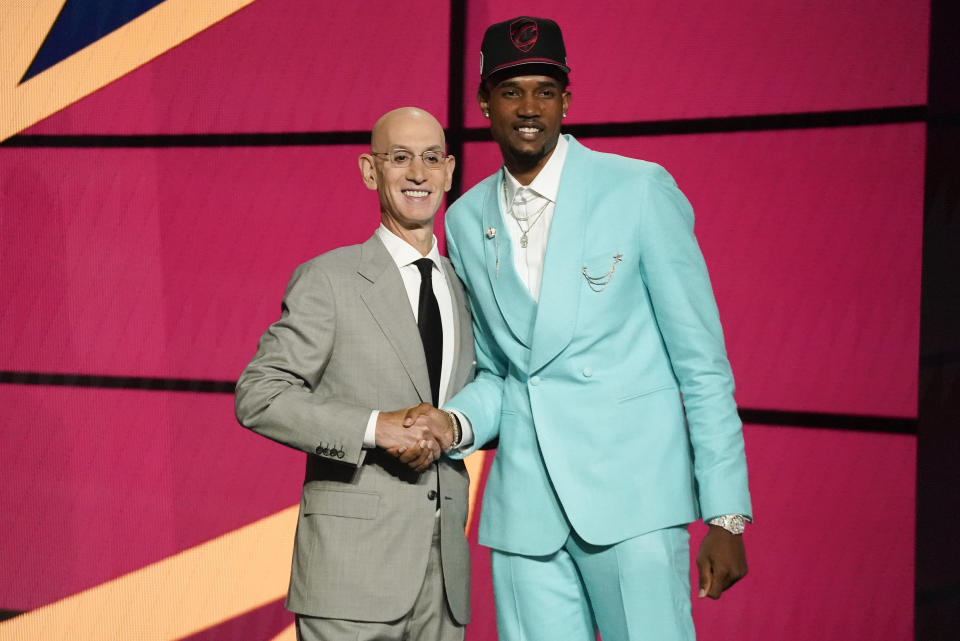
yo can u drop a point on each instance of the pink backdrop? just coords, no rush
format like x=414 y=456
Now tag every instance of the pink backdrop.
x=170 y=262
x=650 y=60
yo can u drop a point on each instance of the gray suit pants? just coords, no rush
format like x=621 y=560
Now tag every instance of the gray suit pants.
x=429 y=620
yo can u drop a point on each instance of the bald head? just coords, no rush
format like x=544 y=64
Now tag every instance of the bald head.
x=411 y=188
x=400 y=119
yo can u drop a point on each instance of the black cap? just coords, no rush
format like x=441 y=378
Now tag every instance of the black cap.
x=522 y=41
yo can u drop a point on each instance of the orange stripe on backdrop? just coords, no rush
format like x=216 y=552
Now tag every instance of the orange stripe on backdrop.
x=474 y=464
x=289 y=633
x=188 y=592
x=24 y=25
x=176 y=597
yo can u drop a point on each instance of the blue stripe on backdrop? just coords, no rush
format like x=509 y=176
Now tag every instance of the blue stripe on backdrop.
x=81 y=23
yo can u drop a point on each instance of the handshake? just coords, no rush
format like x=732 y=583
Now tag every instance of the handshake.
x=417 y=435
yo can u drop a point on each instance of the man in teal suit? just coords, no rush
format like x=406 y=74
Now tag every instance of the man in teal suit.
x=600 y=367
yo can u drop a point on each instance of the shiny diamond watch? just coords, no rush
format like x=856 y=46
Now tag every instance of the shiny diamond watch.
x=733 y=523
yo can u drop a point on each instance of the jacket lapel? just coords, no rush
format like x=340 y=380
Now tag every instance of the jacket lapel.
x=386 y=298
x=514 y=300
x=562 y=268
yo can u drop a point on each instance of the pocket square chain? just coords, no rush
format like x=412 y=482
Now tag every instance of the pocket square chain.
x=599 y=283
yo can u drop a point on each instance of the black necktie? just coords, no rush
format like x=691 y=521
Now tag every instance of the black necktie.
x=429 y=324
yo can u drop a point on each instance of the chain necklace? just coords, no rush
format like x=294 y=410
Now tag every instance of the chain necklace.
x=532 y=219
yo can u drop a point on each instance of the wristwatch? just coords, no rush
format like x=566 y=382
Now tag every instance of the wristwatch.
x=733 y=523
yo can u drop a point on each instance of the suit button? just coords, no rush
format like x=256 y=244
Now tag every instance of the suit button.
x=432 y=495
x=339 y=453
x=319 y=450
x=588 y=372
x=534 y=380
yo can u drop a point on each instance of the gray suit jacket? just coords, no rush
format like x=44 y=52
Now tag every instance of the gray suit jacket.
x=347 y=343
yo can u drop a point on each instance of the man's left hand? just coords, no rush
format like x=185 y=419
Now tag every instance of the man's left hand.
x=721 y=560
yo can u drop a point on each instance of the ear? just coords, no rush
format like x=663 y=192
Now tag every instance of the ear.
x=567 y=96
x=368 y=171
x=484 y=102
x=448 y=168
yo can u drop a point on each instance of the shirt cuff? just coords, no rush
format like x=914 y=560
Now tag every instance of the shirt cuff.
x=370 y=434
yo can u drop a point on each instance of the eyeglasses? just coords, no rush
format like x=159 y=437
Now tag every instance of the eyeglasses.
x=431 y=158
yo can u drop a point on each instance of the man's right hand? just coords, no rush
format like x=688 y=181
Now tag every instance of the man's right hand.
x=414 y=446
x=426 y=416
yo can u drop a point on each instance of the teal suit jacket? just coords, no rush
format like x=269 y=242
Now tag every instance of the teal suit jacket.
x=614 y=408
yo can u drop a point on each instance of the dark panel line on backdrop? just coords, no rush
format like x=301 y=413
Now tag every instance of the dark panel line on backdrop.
x=458 y=39
x=727 y=124
x=939 y=359
x=291 y=139
x=824 y=420
x=937 y=595
x=734 y=124
x=849 y=422
x=206 y=386
x=936 y=561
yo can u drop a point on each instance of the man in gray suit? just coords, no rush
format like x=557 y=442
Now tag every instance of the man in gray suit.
x=380 y=551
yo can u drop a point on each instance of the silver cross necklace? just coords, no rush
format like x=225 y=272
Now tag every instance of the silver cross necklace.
x=530 y=220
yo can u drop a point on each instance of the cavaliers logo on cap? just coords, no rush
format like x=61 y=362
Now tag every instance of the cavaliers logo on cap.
x=523 y=34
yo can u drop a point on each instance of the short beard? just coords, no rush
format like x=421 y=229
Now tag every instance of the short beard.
x=523 y=161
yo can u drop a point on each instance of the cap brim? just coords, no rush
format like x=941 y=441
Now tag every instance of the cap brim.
x=524 y=63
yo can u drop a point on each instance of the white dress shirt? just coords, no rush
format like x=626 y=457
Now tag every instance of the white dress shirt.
x=404 y=255
x=526 y=201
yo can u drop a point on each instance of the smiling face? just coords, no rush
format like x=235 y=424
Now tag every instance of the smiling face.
x=525 y=114
x=411 y=195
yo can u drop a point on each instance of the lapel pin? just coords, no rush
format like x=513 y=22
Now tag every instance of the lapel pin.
x=492 y=233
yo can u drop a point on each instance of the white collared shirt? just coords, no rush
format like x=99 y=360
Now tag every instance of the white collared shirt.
x=527 y=201
x=404 y=255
